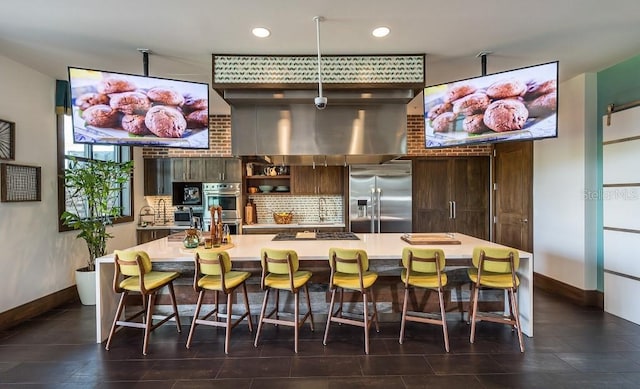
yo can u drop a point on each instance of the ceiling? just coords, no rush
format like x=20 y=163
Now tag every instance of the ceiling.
x=584 y=35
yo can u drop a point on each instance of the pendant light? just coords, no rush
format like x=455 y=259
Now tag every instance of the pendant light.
x=320 y=101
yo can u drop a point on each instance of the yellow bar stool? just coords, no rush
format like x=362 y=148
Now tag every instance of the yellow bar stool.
x=134 y=273
x=424 y=268
x=213 y=272
x=495 y=268
x=280 y=271
x=350 y=270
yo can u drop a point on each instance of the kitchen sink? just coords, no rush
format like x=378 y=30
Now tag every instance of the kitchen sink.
x=317 y=236
x=317 y=223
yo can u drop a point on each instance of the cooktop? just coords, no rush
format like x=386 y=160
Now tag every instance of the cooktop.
x=318 y=236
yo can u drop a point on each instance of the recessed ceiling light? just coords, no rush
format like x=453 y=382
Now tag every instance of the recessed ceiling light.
x=380 y=32
x=261 y=32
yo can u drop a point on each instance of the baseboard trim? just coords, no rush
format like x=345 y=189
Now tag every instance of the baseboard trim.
x=37 y=307
x=590 y=298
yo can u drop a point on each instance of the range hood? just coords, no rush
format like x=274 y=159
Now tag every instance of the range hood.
x=285 y=127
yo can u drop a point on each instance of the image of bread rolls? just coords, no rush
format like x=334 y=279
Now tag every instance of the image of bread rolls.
x=165 y=121
x=504 y=89
x=134 y=124
x=543 y=105
x=437 y=110
x=538 y=89
x=101 y=115
x=165 y=96
x=474 y=124
x=506 y=115
x=194 y=104
x=198 y=119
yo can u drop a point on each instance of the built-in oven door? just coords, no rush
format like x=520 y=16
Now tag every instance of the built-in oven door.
x=229 y=203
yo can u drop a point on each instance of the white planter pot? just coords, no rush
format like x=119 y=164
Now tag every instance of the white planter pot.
x=86 y=284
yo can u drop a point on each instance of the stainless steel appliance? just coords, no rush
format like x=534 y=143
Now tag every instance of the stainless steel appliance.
x=380 y=197
x=227 y=196
x=184 y=216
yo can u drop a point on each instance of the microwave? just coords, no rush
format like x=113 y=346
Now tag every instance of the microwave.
x=187 y=193
x=182 y=216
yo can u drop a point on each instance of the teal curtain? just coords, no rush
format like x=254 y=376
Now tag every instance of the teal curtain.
x=63 y=98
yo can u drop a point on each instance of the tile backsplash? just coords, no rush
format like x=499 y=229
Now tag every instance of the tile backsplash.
x=304 y=208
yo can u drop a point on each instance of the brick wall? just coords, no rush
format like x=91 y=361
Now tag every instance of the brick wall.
x=415 y=142
x=220 y=142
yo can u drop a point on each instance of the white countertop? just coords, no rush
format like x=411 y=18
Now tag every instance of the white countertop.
x=247 y=247
x=163 y=227
x=294 y=225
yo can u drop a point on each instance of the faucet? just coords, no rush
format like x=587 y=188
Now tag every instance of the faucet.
x=322 y=208
x=164 y=210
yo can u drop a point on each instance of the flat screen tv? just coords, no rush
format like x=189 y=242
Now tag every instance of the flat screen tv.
x=126 y=109
x=519 y=104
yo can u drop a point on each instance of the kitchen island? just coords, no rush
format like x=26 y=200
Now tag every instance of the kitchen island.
x=381 y=248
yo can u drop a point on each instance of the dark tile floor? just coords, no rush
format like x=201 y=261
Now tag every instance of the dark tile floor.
x=573 y=347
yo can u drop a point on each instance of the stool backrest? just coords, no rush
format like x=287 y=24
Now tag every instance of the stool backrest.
x=496 y=259
x=213 y=263
x=277 y=261
x=127 y=262
x=345 y=260
x=423 y=260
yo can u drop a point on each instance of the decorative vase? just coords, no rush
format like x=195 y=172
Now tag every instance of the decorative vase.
x=192 y=240
x=86 y=284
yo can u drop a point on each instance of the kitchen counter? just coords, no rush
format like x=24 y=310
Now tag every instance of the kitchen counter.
x=163 y=227
x=381 y=248
x=294 y=225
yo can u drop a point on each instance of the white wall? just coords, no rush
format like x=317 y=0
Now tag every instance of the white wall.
x=559 y=205
x=35 y=259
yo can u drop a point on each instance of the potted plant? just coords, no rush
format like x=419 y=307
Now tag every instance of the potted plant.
x=93 y=188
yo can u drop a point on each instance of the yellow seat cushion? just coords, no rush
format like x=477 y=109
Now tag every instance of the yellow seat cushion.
x=152 y=280
x=424 y=280
x=493 y=280
x=352 y=281
x=232 y=279
x=281 y=281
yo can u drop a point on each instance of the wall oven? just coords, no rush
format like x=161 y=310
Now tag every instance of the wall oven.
x=227 y=196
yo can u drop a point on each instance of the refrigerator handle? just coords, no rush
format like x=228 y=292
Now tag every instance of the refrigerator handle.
x=373 y=210
x=450 y=209
x=454 y=209
x=379 y=207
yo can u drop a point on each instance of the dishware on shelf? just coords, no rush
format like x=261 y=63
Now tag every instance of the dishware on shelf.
x=252 y=189
x=281 y=188
x=265 y=188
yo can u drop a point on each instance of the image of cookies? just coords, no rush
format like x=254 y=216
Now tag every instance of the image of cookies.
x=130 y=102
x=198 y=119
x=134 y=124
x=444 y=122
x=536 y=89
x=543 y=106
x=474 y=124
x=194 y=104
x=437 y=110
x=165 y=96
x=506 y=115
x=115 y=84
x=165 y=121
x=101 y=115
x=88 y=99
x=506 y=88
x=471 y=104
x=458 y=91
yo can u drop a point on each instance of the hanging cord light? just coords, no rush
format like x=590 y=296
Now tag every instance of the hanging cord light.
x=320 y=101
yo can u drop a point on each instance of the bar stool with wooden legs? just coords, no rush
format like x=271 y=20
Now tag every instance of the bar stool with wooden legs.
x=424 y=268
x=138 y=276
x=280 y=271
x=350 y=270
x=495 y=268
x=213 y=272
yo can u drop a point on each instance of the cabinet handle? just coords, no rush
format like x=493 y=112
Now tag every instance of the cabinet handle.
x=450 y=209
x=454 y=209
x=525 y=221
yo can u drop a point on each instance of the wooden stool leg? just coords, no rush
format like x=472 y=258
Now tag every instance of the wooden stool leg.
x=330 y=314
x=175 y=306
x=246 y=304
x=262 y=312
x=375 y=311
x=306 y=289
x=296 y=319
x=366 y=322
x=474 y=310
x=403 y=319
x=123 y=295
x=195 y=317
x=147 y=329
x=444 y=320
x=227 y=337
x=515 y=312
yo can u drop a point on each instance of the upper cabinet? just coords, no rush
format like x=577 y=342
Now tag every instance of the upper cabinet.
x=222 y=170
x=187 y=169
x=324 y=180
x=157 y=176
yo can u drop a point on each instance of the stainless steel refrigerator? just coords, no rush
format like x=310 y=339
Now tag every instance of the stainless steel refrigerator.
x=380 y=197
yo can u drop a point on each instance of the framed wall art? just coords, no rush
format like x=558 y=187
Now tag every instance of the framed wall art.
x=20 y=183
x=7 y=139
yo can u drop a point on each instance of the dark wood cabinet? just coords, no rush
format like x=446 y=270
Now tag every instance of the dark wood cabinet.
x=187 y=169
x=144 y=236
x=452 y=195
x=222 y=170
x=157 y=177
x=324 y=180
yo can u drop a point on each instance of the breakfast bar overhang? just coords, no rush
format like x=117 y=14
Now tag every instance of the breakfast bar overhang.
x=380 y=247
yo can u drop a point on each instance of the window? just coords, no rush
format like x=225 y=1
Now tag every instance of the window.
x=66 y=149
